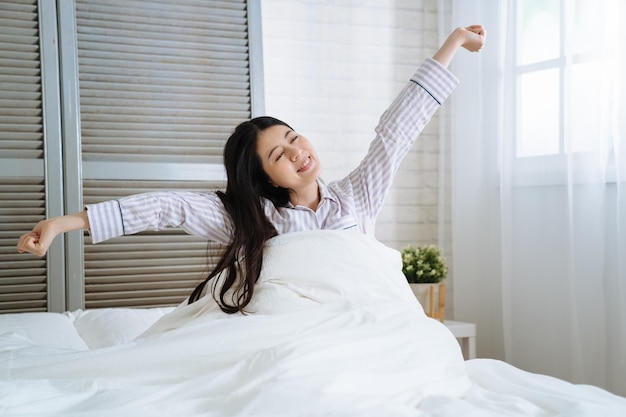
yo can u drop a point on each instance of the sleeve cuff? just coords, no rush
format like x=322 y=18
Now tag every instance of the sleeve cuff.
x=435 y=79
x=105 y=220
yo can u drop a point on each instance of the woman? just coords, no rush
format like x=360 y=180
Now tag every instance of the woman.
x=273 y=186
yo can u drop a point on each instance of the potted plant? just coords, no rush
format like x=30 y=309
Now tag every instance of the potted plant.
x=425 y=269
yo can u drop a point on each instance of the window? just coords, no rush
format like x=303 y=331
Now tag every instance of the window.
x=564 y=69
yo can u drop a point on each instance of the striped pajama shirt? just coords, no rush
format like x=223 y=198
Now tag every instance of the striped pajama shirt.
x=351 y=202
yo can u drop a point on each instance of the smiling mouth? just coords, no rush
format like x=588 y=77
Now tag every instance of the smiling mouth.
x=306 y=165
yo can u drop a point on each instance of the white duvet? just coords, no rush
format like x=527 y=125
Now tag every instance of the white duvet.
x=333 y=330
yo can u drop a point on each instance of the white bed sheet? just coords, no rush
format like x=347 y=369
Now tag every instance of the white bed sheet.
x=334 y=331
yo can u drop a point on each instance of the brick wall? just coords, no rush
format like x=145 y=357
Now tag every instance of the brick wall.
x=331 y=68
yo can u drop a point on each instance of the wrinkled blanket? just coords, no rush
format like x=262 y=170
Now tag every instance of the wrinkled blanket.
x=333 y=330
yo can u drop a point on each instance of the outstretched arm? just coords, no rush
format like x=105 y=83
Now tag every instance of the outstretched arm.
x=40 y=238
x=200 y=214
x=471 y=38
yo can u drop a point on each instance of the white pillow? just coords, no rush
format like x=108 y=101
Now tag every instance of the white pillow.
x=113 y=326
x=45 y=329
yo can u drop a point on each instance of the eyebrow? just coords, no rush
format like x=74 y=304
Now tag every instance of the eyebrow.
x=269 y=155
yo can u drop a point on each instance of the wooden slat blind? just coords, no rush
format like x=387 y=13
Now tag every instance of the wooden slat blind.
x=23 y=278
x=20 y=81
x=161 y=81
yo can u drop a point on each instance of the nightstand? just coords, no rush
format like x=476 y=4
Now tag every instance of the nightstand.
x=466 y=335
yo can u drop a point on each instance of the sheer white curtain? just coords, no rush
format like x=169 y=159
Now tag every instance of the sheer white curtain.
x=538 y=166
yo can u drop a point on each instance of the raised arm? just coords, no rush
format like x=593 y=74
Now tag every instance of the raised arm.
x=40 y=238
x=402 y=123
x=471 y=38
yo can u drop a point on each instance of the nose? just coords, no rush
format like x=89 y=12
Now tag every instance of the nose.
x=296 y=154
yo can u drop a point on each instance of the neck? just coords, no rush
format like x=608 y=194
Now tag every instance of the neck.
x=309 y=197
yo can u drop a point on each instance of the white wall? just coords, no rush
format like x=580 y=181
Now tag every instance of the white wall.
x=331 y=68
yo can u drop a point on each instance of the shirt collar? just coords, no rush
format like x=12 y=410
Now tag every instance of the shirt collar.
x=325 y=194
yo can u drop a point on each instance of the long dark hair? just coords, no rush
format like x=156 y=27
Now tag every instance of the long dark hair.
x=247 y=184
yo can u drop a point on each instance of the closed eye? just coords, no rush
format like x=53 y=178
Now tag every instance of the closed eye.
x=292 y=140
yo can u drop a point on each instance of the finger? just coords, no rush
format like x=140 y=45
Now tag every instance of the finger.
x=477 y=29
x=25 y=243
x=29 y=243
x=22 y=239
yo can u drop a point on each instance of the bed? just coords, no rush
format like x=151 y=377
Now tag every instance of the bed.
x=333 y=330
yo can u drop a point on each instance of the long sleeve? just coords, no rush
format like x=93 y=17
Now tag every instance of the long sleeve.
x=397 y=130
x=200 y=214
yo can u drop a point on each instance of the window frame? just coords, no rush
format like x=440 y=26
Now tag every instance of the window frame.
x=550 y=169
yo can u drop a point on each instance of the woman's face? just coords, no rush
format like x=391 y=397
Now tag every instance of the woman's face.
x=288 y=159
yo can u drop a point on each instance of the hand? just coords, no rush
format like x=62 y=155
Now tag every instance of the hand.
x=39 y=239
x=471 y=38
x=474 y=37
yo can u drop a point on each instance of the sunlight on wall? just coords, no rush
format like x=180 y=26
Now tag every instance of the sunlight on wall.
x=329 y=73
